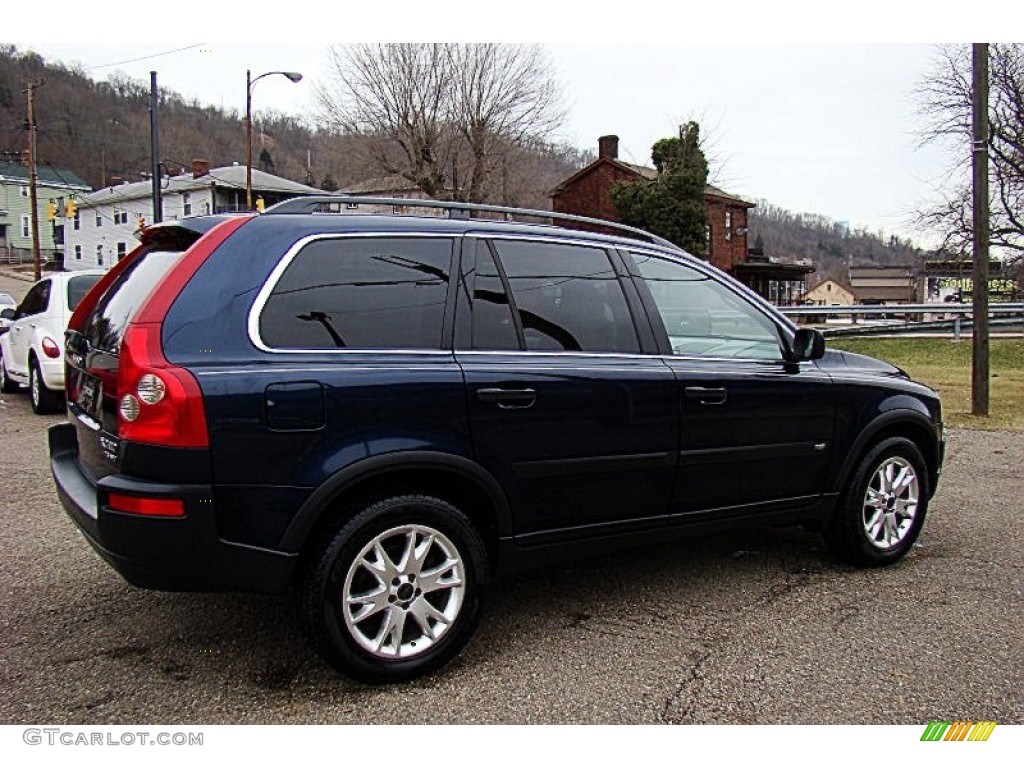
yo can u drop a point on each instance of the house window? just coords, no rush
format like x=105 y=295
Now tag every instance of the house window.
x=186 y=199
x=121 y=250
x=24 y=191
x=78 y=253
x=99 y=219
x=78 y=219
x=99 y=255
x=206 y=207
x=120 y=217
x=352 y=206
x=25 y=226
x=728 y=225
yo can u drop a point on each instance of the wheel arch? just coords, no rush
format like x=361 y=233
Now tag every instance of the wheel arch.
x=906 y=423
x=455 y=479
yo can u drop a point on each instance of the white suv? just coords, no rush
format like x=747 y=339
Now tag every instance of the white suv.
x=32 y=351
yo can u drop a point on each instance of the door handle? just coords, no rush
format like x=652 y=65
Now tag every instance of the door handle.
x=508 y=398
x=707 y=395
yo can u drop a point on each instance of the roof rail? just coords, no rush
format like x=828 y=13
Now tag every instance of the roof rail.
x=456 y=210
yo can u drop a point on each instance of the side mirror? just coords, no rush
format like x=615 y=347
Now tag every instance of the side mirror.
x=808 y=344
x=8 y=314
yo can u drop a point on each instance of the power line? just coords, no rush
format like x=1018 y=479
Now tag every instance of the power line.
x=143 y=58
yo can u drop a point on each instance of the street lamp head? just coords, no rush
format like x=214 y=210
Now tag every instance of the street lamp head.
x=293 y=76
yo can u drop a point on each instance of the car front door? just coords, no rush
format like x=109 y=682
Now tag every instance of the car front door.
x=755 y=429
x=567 y=411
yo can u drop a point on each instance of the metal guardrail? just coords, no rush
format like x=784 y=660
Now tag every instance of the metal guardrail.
x=902 y=309
x=1001 y=315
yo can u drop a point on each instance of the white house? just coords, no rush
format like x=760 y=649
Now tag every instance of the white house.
x=105 y=224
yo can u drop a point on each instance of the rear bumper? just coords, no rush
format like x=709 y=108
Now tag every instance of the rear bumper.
x=52 y=372
x=167 y=553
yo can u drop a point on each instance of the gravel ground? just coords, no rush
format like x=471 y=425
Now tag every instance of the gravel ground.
x=751 y=627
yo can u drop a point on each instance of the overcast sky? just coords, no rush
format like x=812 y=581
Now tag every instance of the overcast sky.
x=829 y=128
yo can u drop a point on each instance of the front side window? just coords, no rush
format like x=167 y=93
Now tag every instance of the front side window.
x=186 y=200
x=26 y=227
x=361 y=293
x=99 y=255
x=704 y=318
x=567 y=297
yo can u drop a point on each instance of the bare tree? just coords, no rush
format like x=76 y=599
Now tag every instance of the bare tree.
x=444 y=116
x=945 y=99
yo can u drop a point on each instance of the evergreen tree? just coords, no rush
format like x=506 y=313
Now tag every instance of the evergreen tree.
x=266 y=162
x=672 y=205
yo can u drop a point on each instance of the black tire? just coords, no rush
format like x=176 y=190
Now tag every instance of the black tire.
x=43 y=399
x=7 y=384
x=348 y=564
x=880 y=515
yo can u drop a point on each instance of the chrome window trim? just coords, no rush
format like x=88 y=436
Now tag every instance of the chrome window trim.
x=253 y=323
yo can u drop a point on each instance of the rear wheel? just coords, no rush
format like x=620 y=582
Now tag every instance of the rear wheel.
x=43 y=399
x=396 y=592
x=883 y=509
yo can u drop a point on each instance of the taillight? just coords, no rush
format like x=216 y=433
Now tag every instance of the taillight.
x=142 y=505
x=50 y=348
x=158 y=403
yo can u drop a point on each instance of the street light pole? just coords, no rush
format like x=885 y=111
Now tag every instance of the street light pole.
x=250 y=81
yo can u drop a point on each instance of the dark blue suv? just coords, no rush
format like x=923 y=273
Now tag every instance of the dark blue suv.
x=382 y=411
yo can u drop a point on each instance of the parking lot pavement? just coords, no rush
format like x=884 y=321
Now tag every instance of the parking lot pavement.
x=752 y=627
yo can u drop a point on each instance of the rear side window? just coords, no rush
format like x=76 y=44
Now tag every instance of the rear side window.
x=115 y=309
x=361 y=293
x=78 y=287
x=36 y=300
x=567 y=297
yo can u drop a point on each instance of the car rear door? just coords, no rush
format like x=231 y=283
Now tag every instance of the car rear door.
x=567 y=410
x=24 y=326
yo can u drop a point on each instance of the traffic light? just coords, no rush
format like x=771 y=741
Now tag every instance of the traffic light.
x=70 y=209
x=51 y=211
x=259 y=204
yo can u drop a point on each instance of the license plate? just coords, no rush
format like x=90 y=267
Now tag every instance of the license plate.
x=89 y=394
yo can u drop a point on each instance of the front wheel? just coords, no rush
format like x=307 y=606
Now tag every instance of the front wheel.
x=396 y=592
x=881 y=514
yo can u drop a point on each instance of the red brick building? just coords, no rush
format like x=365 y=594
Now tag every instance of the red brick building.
x=587 y=193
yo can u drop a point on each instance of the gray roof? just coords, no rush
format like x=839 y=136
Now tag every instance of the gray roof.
x=230 y=176
x=48 y=176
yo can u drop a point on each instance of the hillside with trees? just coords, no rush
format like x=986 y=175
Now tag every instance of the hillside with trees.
x=832 y=246
x=100 y=130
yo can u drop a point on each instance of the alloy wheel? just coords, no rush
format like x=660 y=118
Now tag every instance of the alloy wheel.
x=891 y=502
x=403 y=591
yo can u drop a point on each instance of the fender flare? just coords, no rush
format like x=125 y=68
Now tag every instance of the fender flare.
x=324 y=496
x=880 y=423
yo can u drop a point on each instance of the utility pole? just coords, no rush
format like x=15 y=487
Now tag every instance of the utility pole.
x=154 y=139
x=979 y=293
x=33 y=180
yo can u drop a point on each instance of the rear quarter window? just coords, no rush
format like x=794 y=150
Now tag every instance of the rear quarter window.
x=360 y=293
x=78 y=287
